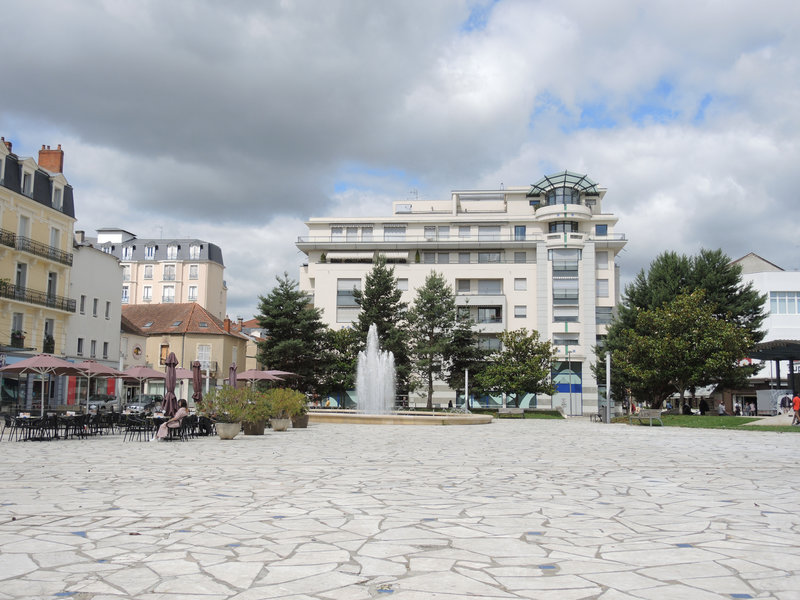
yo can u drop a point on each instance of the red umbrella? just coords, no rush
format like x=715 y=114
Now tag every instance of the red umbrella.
x=43 y=364
x=232 y=375
x=170 y=404
x=197 y=382
x=92 y=368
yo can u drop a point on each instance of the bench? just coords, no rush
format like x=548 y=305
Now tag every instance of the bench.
x=647 y=413
x=512 y=411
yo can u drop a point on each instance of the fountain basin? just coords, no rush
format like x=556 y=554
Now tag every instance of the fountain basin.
x=398 y=418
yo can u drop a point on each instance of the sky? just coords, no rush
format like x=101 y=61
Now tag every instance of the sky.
x=235 y=122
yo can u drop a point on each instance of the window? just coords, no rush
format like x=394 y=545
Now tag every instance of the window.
x=108 y=309
x=520 y=257
x=519 y=233
x=430 y=233
x=464 y=232
x=126 y=272
x=52 y=285
x=463 y=258
x=491 y=344
x=464 y=286
x=105 y=349
x=563 y=226
x=79 y=349
x=488 y=257
x=429 y=257
x=784 y=303
x=49 y=327
x=95 y=304
x=204 y=354
x=93 y=349
x=192 y=293
x=168 y=294
x=172 y=252
x=565 y=290
x=402 y=285
x=565 y=314
x=22 y=277
x=346 y=308
x=58 y=200
x=563 y=195
x=193 y=271
x=444 y=232
x=490 y=287
x=163 y=354
x=351 y=234
x=148 y=271
x=602 y=288
x=147 y=293
x=127 y=253
x=490 y=314
x=520 y=284
x=565 y=339
x=601 y=260
x=337 y=234
x=601 y=230
x=27 y=184
x=520 y=311
x=17 y=320
x=488 y=232
x=194 y=251
x=394 y=233
x=169 y=272
x=565 y=260
x=149 y=252
x=83 y=304
x=443 y=258
x=602 y=314
x=55 y=238
x=366 y=234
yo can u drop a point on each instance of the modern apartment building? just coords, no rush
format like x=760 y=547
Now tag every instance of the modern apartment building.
x=168 y=271
x=540 y=257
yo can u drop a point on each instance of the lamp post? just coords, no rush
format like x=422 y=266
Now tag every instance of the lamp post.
x=569 y=374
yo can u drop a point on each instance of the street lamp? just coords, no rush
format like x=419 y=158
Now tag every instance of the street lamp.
x=569 y=374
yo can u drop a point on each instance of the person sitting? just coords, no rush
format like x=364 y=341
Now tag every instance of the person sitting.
x=172 y=423
x=686 y=410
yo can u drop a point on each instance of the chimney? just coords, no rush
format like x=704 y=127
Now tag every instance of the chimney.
x=240 y=320
x=8 y=144
x=80 y=236
x=227 y=325
x=52 y=160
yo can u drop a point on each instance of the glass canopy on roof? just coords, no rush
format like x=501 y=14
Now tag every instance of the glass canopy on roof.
x=567 y=179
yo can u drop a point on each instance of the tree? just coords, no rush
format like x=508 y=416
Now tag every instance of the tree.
x=295 y=330
x=669 y=276
x=381 y=303
x=522 y=366
x=431 y=321
x=679 y=345
x=340 y=356
x=464 y=353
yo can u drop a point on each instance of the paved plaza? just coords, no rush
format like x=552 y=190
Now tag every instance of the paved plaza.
x=515 y=509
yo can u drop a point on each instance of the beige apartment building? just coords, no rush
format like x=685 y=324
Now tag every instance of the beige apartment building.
x=167 y=271
x=540 y=257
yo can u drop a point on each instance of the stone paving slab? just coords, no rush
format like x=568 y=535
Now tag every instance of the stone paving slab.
x=515 y=509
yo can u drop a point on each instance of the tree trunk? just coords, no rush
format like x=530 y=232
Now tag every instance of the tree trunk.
x=430 y=389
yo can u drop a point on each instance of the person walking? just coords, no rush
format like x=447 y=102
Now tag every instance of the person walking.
x=796 y=407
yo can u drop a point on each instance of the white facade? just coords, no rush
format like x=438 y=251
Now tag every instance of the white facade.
x=93 y=332
x=539 y=257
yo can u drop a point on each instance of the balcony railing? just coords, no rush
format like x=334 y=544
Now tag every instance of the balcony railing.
x=24 y=244
x=23 y=294
x=420 y=239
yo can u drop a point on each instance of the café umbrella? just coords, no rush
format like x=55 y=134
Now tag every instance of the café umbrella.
x=170 y=404
x=92 y=368
x=42 y=364
x=252 y=375
x=141 y=374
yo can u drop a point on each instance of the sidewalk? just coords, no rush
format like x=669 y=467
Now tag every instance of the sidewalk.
x=517 y=509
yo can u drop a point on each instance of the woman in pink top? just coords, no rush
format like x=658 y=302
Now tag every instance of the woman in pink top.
x=173 y=423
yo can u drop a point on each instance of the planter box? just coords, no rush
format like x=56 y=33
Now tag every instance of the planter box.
x=280 y=424
x=228 y=431
x=254 y=427
x=300 y=421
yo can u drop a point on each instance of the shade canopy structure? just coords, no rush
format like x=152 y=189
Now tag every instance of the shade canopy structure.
x=776 y=350
x=252 y=375
x=170 y=404
x=181 y=373
x=142 y=374
x=42 y=364
x=92 y=368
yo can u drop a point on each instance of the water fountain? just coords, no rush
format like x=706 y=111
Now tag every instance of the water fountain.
x=375 y=377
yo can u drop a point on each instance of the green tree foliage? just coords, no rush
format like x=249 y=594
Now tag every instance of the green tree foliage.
x=340 y=356
x=669 y=276
x=680 y=345
x=464 y=353
x=522 y=366
x=381 y=303
x=432 y=319
x=295 y=331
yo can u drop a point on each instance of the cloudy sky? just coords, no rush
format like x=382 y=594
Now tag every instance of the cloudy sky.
x=236 y=121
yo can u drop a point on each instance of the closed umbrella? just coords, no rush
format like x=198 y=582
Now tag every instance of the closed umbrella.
x=170 y=404
x=232 y=375
x=197 y=382
x=42 y=364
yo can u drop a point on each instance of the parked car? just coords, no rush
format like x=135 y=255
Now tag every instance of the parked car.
x=103 y=402
x=144 y=403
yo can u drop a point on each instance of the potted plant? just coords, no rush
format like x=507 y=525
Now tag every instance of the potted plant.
x=17 y=338
x=285 y=403
x=257 y=412
x=300 y=420
x=227 y=407
x=48 y=344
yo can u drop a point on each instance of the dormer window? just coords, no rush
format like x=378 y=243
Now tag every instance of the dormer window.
x=194 y=251
x=149 y=252
x=27 y=184
x=58 y=198
x=172 y=252
x=127 y=253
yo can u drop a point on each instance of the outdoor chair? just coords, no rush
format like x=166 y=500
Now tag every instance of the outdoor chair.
x=138 y=428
